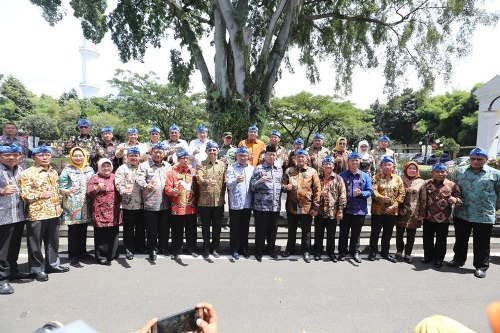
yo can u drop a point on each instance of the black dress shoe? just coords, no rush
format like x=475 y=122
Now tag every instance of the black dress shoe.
x=333 y=257
x=425 y=260
x=246 y=254
x=205 y=254
x=390 y=258
x=174 y=257
x=58 y=269
x=258 y=258
x=6 y=288
x=19 y=276
x=372 y=256
x=453 y=263
x=317 y=257
x=104 y=262
x=307 y=258
x=438 y=264
x=479 y=273
x=273 y=255
x=41 y=276
x=216 y=254
x=409 y=259
x=163 y=252
x=193 y=254
x=152 y=255
x=285 y=254
x=129 y=255
x=341 y=256
x=74 y=262
x=357 y=258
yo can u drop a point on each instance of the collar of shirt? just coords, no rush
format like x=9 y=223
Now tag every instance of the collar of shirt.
x=358 y=172
x=40 y=169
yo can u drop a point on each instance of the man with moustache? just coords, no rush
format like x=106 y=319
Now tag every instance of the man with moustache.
x=253 y=144
x=105 y=148
x=10 y=137
x=132 y=142
x=197 y=147
x=40 y=191
x=84 y=140
x=281 y=152
x=227 y=153
x=174 y=144
x=317 y=152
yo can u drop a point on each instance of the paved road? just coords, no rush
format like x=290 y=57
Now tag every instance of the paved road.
x=272 y=296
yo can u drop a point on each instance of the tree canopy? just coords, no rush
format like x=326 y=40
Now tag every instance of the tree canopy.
x=251 y=39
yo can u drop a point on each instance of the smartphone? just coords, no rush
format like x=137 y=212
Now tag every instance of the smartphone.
x=184 y=321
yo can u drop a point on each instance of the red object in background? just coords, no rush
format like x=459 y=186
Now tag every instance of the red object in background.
x=434 y=145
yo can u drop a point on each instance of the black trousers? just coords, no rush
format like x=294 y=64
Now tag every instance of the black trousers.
x=385 y=223
x=354 y=223
x=186 y=223
x=320 y=224
x=266 y=227
x=481 y=242
x=239 y=223
x=106 y=242
x=10 y=244
x=77 y=240
x=134 y=234
x=211 y=216
x=305 y=221
x=157 y=229
x=48 y=232
x=435 y=251
x=410 y=239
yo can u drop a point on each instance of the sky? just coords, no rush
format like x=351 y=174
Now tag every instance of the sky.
x=47 y=60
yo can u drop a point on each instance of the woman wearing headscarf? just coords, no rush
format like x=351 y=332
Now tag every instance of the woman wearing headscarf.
x=105 y=204
x=366 y=162
x=76 y=214
x=408 y=220
x=339 y=154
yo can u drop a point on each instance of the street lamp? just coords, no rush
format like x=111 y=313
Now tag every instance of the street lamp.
x=426 y=139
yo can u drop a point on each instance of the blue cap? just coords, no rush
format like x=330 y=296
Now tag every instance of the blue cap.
x=182 y=153
x=386 y=159
x=300 y=152
x=242 y=150
x=83 y=122
x=41 y=149
x=201 y=128
x=107 y=129
x=13 y=148
x=174 y=127
x=133 y=150
x=478 y=152
x=253 y=128
x=154 y=130
x=132 y=130
x=211 y=145
x=275 y=133
x=158 y=145
x=439 y=167
x=328 y=159
x=298 y=141
x=353 y=155
x=318 y=136
x=384 y=138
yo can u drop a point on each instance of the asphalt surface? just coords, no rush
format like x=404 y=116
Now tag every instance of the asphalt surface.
x=285 y=295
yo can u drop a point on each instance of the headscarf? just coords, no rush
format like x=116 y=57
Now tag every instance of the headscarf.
x=100 y=163
x=407 y=165
x=337 y=146
x=364 y=155
x=85 y=161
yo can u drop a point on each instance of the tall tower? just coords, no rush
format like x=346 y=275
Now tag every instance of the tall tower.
x=89 y=89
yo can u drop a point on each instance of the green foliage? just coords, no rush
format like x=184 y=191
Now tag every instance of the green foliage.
x=398 y=117
x=15 y=91
x=40 y=125
x=68 y=96
x=144 y=100
x=304 y=114
x=453 y=115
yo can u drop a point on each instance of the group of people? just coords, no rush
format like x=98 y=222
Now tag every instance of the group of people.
x=158 y=189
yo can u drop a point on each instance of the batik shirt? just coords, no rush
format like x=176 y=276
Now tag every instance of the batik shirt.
x=33 y=182
x=105 y=203
x=142 y=149
x=434 y=196
x=76 y=207
x=305 y=194
x=481 y=194
x=239 y=194
x=281 y=157
x=11 y=205
x=19 y=141
x=391 y=187
x=86 y=142
x=184 y=180
x=378 y=153
x=333 y=196
x=267 y=193
x=109 y=152
x=129 y=177
x=316 y=156
x=211 y=195
x=174 y=147
x=155 y=174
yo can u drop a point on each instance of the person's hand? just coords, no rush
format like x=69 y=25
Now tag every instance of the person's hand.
x=223 y=159
x=386 y=199
x=340 y=215
x=70 y=190
x=148 y=326
x=356 y=192
x=150 y=186
x=240 y=178
x=196 y=151
x=287 y=187
x=390 y=208
x=263 y=178
x=47 y=194
x=210 y=321
x=128 y=189
x=9 y=189
x=121 y=147
x=100 y=152
x=313 y=212
x=99 y=187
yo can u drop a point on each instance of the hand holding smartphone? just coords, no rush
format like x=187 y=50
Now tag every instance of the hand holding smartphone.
x=184 y=321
